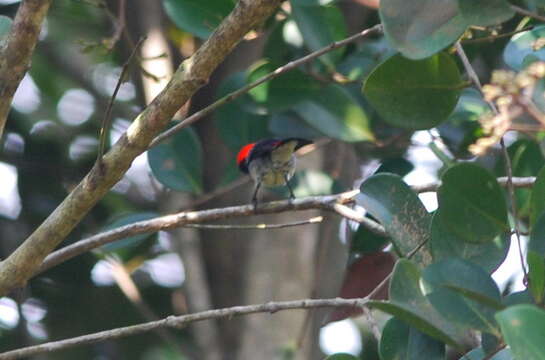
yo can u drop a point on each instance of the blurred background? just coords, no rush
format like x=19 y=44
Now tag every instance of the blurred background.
x=51 y=142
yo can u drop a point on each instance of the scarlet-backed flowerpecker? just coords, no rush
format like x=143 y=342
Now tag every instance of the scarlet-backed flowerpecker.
x=270 y=162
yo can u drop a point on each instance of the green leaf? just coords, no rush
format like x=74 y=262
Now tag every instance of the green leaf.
x=177 y=162
x=478 y=297
x=537 y=236
x=282 y=92
x=444 y=283
x=394 y=340
x=485 y=12
x=414 y=94
x=523 y=44
x=239 y=122
x=536 y=275
x=408 y=303
x=445 y=244
x=419 y=29
x=392 y=202
x=471 y=204
x=341 y=356
x=335 y=113
x=523 y=328
x=196 y=16
x=519 y=297
x=400 y=341
x=5 y=26
x=130 y=241
x=320 y=26
x=537 y=198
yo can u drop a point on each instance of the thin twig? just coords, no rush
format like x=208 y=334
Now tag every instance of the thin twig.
x=496 y=37
x=509 y=182
x=471 y=73
x=353 y=215
x=118 y=22
x=514 y=210
x=180 y=322
x=314 y=220
x=182 y=219
x=108 y=114
x=525 y=12
x=329 y=202
x=279 y=71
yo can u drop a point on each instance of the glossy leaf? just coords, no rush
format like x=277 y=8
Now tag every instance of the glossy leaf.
x=320 y=26
x=485 y=12
x=408 y=303
x=393 y=203
x=400 y=341
x=132 y=240
x=361 y=277
x=335 y=113
x=177 y=162
x=537 y=236
x=471 y=204
x=537 y=198
x=394 y=340
x=419 y=29
x=240 y=122
x=196 y=16
x=477 y=296
x=445 y=244
x=282 y=92
x=523 y=328
x=519 y=297
x=536 y=275
x=439 y=281
x=5 y=26
x=522 y=45
x=414 y=94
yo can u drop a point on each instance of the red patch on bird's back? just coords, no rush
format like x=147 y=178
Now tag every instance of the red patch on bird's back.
x=244 y=152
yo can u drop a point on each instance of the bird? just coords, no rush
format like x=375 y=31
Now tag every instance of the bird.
x=270 y=162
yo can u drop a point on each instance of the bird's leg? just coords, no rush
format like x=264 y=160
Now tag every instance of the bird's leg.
x=254 y=197
x=289 y=187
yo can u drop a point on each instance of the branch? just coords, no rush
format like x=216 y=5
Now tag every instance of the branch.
x=279 y=71
x=15 y=55
x=336 y=203
x=181 y=219
x=525 y=12
x=180 y=322
x=191 y=75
